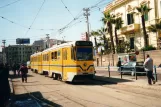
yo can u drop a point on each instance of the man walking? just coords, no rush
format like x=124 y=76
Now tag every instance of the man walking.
x=148 y=66
x=24 y=72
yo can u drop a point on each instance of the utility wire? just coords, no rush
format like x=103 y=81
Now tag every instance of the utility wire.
x=9 y=4
x=35 y=18
x=13 y=22
x=97 y=4
x=67 y=8
x=24 y=26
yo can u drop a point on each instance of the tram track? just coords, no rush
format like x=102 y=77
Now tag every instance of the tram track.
x=122 y=90
x=78 y=100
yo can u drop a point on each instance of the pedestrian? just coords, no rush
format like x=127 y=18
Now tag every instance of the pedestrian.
x=14 y=69
x=17 y=68
x=4 y=85
x=119 y=64
x=24 y=70
x=148 y=66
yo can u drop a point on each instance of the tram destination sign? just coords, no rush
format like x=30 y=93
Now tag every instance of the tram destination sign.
x=22 y=41
x=84 y=43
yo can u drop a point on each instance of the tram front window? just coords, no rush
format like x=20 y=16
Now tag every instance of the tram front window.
x=84 y=54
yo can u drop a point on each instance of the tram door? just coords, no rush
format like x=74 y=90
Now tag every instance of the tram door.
x=64 y=64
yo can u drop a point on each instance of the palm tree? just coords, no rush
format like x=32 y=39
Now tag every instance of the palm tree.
x=95 y=33
x=102 y=32
x=109 y=19
x=118 y=24
x=155 y=28
x=143 y=9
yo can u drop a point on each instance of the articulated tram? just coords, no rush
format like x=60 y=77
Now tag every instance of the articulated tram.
x=66 y=61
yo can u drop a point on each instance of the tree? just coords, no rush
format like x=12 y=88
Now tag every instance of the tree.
x=155 y=28
x=143 y=10
x=102 y=32
x=95 y=33
x=118 y=24
x=108 y=19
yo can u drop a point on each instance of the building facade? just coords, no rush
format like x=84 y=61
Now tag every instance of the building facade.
x=19 y=53
x=44 y=43
x=131 y=30
x=1 y=57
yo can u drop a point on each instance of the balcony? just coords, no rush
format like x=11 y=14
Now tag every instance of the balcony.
x=130 y=28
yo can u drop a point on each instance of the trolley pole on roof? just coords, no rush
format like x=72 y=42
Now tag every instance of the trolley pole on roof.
x=86 y=14
x=48 y=40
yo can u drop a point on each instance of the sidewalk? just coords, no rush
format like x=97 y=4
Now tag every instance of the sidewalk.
x=129 y=80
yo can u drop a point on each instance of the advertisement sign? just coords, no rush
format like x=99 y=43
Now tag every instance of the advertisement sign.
x=22 y=41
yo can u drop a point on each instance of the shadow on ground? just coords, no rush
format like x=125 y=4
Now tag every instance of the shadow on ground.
x=34 y=99
x=98 y=80
x=111 y=80
x=18 y=76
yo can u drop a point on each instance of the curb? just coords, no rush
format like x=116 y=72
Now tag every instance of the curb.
x=11 y=86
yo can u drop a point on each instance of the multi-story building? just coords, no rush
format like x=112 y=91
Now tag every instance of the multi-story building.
x=131 y=30
x=19 y=53
x=1 y=57
x=44 y=43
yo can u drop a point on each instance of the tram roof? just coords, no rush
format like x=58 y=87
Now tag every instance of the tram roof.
x=36 y=54
x=61 y=45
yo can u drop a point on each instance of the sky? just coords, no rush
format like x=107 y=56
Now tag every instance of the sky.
x=16 y=18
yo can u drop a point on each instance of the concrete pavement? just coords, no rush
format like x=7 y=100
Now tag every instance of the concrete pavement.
x=102 y=74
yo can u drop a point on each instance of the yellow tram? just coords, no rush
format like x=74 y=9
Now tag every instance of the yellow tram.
x=66 y=61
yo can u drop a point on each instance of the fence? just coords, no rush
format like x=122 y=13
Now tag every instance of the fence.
x=135 y=71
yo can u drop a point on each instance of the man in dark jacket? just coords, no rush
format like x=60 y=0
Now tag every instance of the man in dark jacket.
x=4 y=83
x=119 y=64
x=23 y=69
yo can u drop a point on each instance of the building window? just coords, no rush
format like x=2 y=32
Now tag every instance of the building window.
x=132 y=43
x=130 y=18
x=146 y=16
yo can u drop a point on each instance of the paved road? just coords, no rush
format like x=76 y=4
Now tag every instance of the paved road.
x=89 y=94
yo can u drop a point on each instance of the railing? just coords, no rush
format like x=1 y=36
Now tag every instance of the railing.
x=136 y=72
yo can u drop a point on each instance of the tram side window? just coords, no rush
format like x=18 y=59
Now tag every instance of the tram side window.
x=54 y=55
x=47 y=57
x=59 y=53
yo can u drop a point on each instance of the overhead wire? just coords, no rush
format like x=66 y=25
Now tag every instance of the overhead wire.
x=24 y=26
x=97 y=4
x=68 y=24
x=67 y=8
x=9 y=4
x=35 y=17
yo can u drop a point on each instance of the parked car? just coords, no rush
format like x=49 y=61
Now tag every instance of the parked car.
x=140 y=67
x=130 y=68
